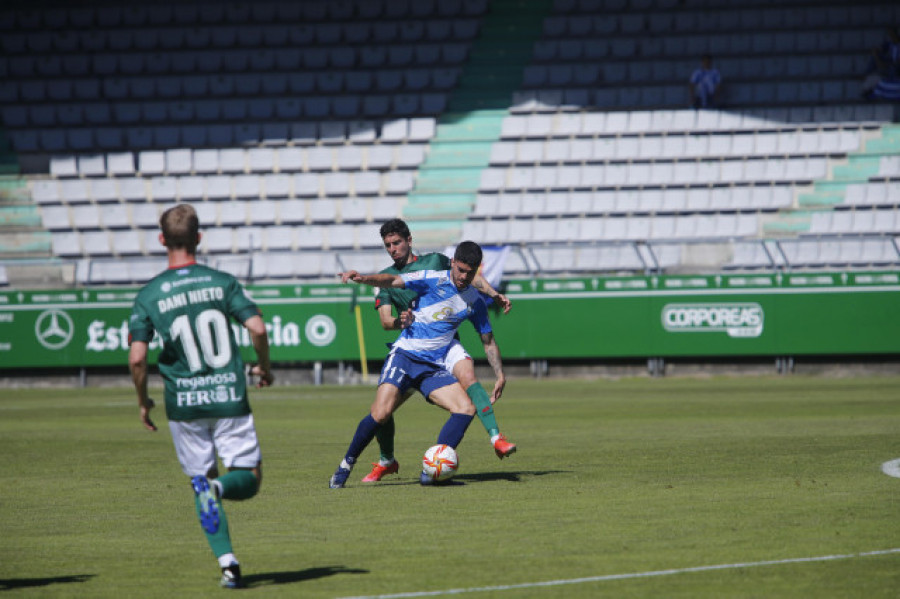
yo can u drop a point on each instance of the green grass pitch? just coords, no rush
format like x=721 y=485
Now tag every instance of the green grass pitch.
x=655 y=480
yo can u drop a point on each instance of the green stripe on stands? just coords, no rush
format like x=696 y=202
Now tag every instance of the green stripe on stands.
x=480 y=125
x=795 y=222
x=455 y=155
x=26 y=242
x=441 y=206
x=857 y=168
x=8 y=182
x=825 y=193
x=888 y=143
x=468 y=100
x=19 y=216
x=434 y=233
x=448 y=180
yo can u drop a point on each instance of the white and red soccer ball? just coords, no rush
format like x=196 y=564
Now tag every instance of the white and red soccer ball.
x=440 y=462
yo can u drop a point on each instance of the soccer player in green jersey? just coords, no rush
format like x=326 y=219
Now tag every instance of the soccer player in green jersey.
x=190 y=306
x=398 y=242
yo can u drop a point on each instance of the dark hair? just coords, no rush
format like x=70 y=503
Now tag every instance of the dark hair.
x=395 y=225
x=468 y=252
x=180 y=227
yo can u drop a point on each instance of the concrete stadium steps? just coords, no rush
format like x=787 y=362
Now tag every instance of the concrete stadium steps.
x=519 y=19
x=887 y=143
x=491 y=76
x=14 y=188
x=472 y=126
x=21 y=230
x=14 y=192
x=18 y=216
x=461 y=154
x=435 y=233
x=465 y=100
x=824 y=193
x=9 y=162
x=448 y=180
x=444 y=193
x=788 y=224
x=859 y=167
x=497 y=60
x=438 y=181
x=24 y=244
x=443 y=206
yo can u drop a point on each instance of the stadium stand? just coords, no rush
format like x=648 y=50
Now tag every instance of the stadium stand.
x=558 y=127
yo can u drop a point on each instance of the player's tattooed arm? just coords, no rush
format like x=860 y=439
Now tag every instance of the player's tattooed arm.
x=492 y=352
x=481 y=284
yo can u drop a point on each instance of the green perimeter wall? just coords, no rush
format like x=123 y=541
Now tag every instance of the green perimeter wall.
x=823 y=313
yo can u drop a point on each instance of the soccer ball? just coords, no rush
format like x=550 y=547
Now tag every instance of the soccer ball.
x=440 y=462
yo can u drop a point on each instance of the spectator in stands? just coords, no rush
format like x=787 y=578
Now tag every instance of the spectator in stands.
x=705 y=83
x=190 y=305
x=882 y=77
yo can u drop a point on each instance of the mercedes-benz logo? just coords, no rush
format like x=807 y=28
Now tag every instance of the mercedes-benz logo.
x=54 y=329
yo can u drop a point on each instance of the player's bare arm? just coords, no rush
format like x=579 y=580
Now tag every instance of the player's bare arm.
x=481 y=284
x=376 y=280
x=389 y=322
x=260 y=339
x=137 y=363
x=492 y=352
x=504 y=302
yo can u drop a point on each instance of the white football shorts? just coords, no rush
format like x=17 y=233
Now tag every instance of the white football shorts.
x=198 y=442
x=455 y=354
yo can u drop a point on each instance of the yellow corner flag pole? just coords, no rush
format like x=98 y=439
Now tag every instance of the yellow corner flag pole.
x=363 y=363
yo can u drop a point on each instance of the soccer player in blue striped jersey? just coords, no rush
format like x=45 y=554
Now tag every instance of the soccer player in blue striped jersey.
x=446 y=299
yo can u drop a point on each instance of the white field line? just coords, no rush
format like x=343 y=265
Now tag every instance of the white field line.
x=631 y=575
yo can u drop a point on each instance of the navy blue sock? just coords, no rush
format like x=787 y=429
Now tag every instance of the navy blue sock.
x=454 y=430
x=365 y=432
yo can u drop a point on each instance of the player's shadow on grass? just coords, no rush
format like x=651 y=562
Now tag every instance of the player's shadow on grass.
x=486 y=477
x=7 y=584
x=512 y=477
x=270 y=578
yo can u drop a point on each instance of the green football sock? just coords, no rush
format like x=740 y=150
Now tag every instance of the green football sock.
x=238 y=485
x=220 y=540
x=385 y=437
x=483 y=408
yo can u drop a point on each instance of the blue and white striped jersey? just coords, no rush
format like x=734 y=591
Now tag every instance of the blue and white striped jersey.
x=439 y=311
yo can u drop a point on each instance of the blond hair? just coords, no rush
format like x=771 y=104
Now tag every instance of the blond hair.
x=180 y=227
